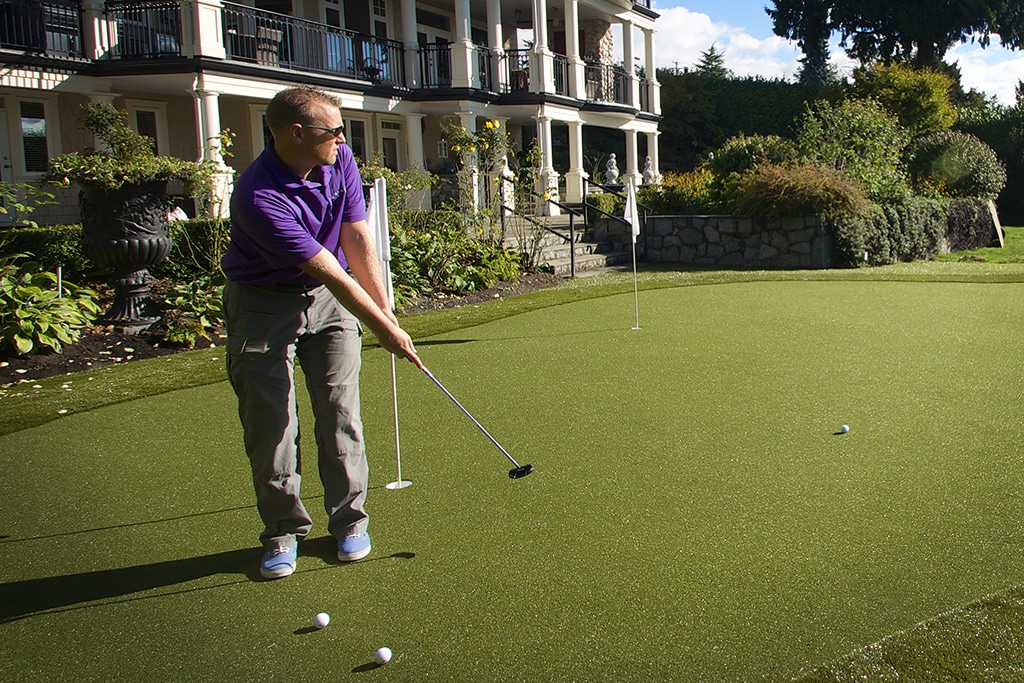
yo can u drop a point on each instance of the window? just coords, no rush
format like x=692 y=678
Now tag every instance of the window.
x=356 y=134
x=380 y=8
x=33 y=136
x=145 y=123
x=150 y=119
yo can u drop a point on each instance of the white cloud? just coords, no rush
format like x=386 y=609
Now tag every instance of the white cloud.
x=992 y=70
x=684 y=35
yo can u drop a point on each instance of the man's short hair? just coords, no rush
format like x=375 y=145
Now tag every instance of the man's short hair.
x=297 y=105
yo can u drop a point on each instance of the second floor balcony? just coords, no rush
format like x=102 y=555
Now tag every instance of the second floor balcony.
x=138 y=30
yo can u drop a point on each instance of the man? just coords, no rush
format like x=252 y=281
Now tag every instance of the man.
x=298 y=222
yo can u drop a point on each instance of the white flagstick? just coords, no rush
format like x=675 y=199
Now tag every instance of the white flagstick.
x=377 y=213
x=632 y=216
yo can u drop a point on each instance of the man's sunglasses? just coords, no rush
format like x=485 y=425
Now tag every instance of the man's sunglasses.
x=333 y=131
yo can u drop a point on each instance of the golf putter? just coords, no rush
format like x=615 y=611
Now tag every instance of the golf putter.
x=517 y=472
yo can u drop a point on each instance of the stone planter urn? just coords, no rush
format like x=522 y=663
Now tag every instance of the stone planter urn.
x=125 y=231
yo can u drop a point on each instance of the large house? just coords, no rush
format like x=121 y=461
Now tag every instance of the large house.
x=184 y=70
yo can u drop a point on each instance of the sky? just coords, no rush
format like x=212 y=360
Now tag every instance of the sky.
x=742 y=31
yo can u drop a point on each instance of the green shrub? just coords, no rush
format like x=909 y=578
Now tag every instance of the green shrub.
x=744 y=152
x=954 y=164
x=431 y=252
x=192 y=309
x=609 y=202
x=52 y=245
x=198 y=245
x=772 y=191
x=861 y=138
x=681 y=193
x=34 y=313
x=919 y=98
x=907 y=230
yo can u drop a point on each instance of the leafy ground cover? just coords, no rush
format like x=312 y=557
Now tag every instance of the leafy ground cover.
x=693 y=515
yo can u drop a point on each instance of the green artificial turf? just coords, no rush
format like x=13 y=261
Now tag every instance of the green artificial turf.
x=693 y=514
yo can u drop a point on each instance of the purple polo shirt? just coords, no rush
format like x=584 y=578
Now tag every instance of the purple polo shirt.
x=279 y=220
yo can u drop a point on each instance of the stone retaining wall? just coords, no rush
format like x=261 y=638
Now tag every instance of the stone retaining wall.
x=726 y=241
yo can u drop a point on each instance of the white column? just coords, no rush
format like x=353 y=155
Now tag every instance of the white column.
x=542 y=66
x=653 y=86
x=575 y=175
x=470 y=172
x=207 y=28
x=96 y=38
x=632 y=82
x=632 y=170
x=463 y=55
x=548 y=174
x=577 y=81
x=416 y=158
x=496 y=41
x=413 y=77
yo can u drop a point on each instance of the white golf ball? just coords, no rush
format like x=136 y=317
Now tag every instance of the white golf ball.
x=321 y=620
x=382 y=656
x=844 y=429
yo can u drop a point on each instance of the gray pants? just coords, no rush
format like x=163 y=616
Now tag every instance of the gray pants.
x=267 y=330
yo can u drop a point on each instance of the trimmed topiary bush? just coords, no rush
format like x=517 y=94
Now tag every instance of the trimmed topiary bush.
x=955 y=164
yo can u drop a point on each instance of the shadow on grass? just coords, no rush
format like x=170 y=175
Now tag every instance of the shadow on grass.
x=19 y=599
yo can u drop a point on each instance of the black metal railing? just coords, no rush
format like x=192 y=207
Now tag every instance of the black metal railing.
x=485 y=67
x=561 y=68
x=645 y=95
x=52 y=27
x=506 y=210
x=606 y=83
x=272 y=39
x=144 y=29
x=436 y=65
x=517 y=71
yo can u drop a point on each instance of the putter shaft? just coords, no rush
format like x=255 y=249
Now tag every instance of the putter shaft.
x=480 y=426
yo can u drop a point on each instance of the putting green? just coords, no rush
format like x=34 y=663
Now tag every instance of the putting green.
x=692 y=516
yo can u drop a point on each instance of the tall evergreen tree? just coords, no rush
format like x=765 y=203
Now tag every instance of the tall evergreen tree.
x=918 y=31
x=712 y=64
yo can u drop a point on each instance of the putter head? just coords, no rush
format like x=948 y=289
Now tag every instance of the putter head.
x=520 y=472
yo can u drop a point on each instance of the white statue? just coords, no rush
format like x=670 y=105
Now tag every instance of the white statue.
x=611 y=171
x=649 y=177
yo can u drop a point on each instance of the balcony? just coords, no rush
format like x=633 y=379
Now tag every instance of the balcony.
x=436 y=65
x=149 y=30
x=271 y=39
x=51 y=28
x=606 y=83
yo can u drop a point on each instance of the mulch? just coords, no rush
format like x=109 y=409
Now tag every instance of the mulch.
x=105 y=346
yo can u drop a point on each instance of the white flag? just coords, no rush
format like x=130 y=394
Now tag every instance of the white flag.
x=630 y=214
x=377 y=218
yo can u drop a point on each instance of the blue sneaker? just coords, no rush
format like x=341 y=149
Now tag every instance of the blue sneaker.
x=278 y=562
x=354 y=547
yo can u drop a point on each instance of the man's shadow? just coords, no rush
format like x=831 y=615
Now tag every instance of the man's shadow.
x=19 y=599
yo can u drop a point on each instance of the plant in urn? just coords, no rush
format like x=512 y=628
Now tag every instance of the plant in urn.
x=124 y=203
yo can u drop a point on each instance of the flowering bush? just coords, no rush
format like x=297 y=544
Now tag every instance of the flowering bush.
x=489 y=144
